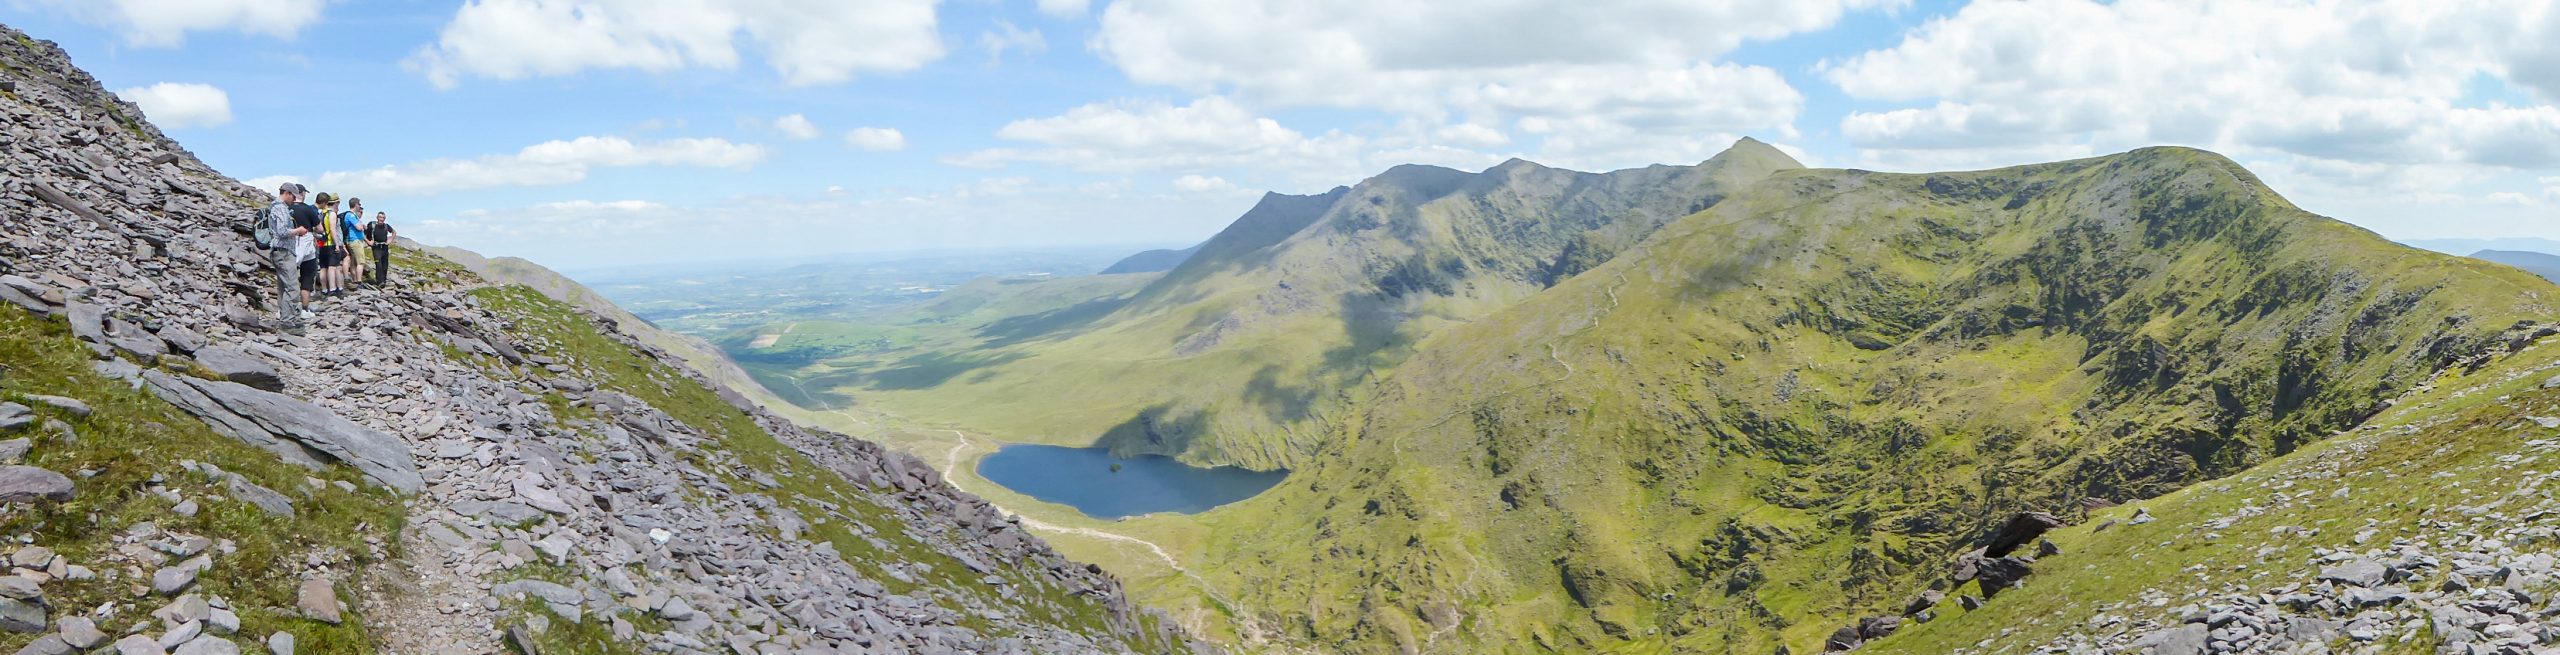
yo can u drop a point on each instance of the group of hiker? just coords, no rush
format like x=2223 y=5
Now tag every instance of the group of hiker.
x=317 y=248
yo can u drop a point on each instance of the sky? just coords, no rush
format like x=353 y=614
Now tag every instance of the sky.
x=585 y=134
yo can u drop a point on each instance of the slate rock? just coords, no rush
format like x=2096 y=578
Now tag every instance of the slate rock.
x=80 y=632
x=72 y=406
x=27 y=484
x=1877 y=627
x=2356 y=573
x=299 y=431
x=2186 y=639
x=2021 y=529
x=88 y=322
x=49 y=644
x=14 y=416
x=239 y=366
x=139 y=645
x=275 y=504
x=170 y=580
x=1922 y=603
x=207 y=645
x=318 y=601
x=182 y=340
x=280 y=643
x=1845 y=638
x=2003 y=573
x=22 y=616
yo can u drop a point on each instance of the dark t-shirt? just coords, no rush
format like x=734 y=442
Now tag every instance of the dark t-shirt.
x=306 y=216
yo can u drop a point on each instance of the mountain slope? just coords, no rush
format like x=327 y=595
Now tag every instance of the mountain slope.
x=1152 y=261
x=2542 y=264
x=1794 y=406
x=1239 y=354
x=696 y=355
x=442 y=465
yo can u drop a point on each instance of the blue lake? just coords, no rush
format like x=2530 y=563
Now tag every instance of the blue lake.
x=1082 y=478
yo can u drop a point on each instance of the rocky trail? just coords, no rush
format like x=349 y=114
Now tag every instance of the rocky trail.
x=563 y=484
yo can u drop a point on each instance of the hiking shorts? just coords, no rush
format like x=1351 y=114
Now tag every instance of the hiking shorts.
x=332 y=256
x=310 y=274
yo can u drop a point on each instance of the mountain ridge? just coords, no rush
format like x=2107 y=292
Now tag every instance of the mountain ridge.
x=1817 y=376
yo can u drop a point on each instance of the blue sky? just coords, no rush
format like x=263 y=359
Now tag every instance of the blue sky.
x=597 y=133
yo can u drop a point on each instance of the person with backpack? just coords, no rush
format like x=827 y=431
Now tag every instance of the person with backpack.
x=350 y=225
x=277 y=232
x=379 y=235
x=325 y=236
x=308 y=249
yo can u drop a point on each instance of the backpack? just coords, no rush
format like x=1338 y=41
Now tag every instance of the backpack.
x=263 y=225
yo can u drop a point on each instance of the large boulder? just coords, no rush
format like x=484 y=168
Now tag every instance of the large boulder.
x=2022 y=529
x=239 y=366
x=299 y=432
x=2003 y=573
x=27 y=484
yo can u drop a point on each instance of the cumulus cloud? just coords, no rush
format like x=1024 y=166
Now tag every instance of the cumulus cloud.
x=542 y=164
x=876 y=139
x=172 y=105
x=1156 y=135
x=806 y=41
x=2372 y=82
x=1605 y=81
x=1203 y=184
x=798 y=127
x=165 y=23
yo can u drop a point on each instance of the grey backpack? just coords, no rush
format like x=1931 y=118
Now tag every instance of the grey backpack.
x=263 y=226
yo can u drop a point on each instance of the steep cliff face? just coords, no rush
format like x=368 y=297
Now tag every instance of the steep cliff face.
x=437 y=463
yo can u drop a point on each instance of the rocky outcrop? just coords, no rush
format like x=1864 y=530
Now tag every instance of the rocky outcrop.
x=297 y=431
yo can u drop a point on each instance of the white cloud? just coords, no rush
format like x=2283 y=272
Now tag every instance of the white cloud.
x=165 y=23
x=1065 y=8
x=798 y=127
x=1008 y=38
x=172 y=105
x=1607 y=79
x=806 y=41
x=1203 y=184
x=542 y=164
x=2367 y=82
x=876 y=139
x=1155 y=135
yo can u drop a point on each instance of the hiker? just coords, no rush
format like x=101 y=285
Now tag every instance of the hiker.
x=280 y=233
x=323 y=267
x=306 y=224
x=379 y=235
x=351 y=228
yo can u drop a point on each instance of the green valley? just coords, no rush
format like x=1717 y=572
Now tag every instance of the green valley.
x=1712 y=409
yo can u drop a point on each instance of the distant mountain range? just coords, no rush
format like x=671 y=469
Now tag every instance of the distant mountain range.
x=2538 y=263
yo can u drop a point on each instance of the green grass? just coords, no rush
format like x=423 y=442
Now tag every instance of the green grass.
x=132 y=437
x=2439 y=449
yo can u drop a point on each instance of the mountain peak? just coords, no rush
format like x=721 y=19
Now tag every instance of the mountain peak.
x=1756 y=150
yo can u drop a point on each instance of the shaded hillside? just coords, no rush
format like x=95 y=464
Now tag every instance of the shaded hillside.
x=1152 y=261
x=1241 y=353
x=1798 y=405
x=2543 y=264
